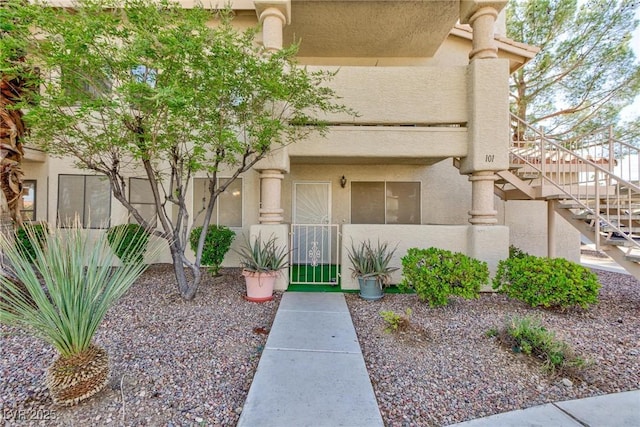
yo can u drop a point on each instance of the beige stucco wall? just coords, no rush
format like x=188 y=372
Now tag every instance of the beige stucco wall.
x=489 y=244
x=488 y=113
x=445 y=193
x=527 y=222
x=39 y=172
x=381 y=144
x=46 y=176
x=399 y=95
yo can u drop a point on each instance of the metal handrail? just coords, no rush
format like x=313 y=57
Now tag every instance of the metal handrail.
x=609 y=200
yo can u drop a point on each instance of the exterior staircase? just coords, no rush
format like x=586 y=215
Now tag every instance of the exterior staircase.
x=591 y=181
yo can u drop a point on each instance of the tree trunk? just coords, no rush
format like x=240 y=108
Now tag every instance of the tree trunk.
x=186 y=286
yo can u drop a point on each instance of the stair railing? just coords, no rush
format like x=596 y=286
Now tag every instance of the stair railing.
x=582 y=173
x=602 y=143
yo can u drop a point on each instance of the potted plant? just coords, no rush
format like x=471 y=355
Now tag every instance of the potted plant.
x=261 y=263
x=370 y=265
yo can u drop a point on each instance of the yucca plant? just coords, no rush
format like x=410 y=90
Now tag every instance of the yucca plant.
x=66 y=291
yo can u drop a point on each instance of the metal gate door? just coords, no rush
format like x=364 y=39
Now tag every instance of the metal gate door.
x=314 y=241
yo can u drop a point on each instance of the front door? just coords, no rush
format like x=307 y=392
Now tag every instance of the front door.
x=314 y=240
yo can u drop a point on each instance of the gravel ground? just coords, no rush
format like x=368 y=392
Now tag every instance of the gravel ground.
x=173 y=362
x=448 y=371
x=191 y=363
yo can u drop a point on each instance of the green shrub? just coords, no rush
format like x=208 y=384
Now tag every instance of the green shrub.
x=515 y=252
x=129 y=242
x=216 y=245
x=435 y=274
x=528 y=336
x=396 y=322
x=25 y=244
x=547 y=282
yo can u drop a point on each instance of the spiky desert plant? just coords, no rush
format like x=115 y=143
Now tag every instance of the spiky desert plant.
x=70 y=284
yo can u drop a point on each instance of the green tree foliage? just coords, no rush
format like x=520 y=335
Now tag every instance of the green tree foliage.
x=586 y=71
x=149 y=88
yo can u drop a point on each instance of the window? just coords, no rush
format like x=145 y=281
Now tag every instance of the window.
x=79 y=87
x=385 y=202
x=141 y=198
x=228 y=208
x=88 y=197
x=29 y=200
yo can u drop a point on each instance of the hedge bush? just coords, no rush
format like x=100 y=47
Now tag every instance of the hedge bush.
x=25 y=244
x=132 y=245
x=216 y=245
x=547 y=282
x=436 y=274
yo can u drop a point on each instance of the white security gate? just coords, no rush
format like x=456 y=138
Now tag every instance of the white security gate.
x=314 y=241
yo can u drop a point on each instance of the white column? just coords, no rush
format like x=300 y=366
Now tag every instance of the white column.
x=551 y=229
x=271 y=189
x=482 y=206
x=273 y=15
x=483 y=23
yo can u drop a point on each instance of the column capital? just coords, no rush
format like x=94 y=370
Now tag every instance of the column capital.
x=279 y=8
x=469 y=8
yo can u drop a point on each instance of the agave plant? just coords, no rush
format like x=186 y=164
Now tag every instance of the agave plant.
x=62 y=296
x=262 y=256
x=368 y=260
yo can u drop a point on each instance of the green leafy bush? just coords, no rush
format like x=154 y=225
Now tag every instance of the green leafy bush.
x=547 y=282
x=435 y=274
x=25 y=244
x=129 y=242
x=528 y=336
x=515 y=252
x=396 y=322
x=216 y=245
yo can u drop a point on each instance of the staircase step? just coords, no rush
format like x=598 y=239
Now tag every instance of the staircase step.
x=634 y=257
x=591 y=216
x=528 y=176
x=608 y=229
x=621 y=242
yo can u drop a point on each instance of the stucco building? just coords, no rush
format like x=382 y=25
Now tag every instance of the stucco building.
x=416 y=168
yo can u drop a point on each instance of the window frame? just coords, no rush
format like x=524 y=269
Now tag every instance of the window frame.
x=83 y=219
x=215 y=219
x=385 y=182
x=35 y=200
x=152 y=203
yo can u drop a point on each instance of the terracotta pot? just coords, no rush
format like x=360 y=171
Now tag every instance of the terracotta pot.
x=259 y=285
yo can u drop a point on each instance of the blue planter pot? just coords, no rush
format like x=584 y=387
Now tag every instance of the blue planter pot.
x=370 y=288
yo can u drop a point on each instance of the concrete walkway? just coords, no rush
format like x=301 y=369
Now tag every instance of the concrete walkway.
x=611 y=410
x=311 y=372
